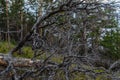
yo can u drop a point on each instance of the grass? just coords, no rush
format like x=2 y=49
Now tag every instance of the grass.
x=60 y=75
x=26 y=51
x=4 y=48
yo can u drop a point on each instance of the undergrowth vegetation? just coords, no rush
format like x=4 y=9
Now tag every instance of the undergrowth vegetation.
x=26 y=51
x=60 y=74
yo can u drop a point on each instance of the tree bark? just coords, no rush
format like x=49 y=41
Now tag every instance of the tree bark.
x=8 y=27
x=17 y=62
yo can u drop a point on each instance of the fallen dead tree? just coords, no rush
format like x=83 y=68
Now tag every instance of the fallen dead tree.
x=66 y=44
x=81 y=64
x=27 y=62
x=17 y=62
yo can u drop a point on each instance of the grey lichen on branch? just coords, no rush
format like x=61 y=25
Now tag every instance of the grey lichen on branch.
x=69 y=6
x=38 y=26
x=9 y=57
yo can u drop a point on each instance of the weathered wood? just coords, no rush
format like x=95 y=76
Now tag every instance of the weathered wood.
x=115 y=66
x=17 y=62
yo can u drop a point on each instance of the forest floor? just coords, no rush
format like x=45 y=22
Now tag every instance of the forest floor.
x=86 y=72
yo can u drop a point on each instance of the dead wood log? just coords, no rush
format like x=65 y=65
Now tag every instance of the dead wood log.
x=18 y=62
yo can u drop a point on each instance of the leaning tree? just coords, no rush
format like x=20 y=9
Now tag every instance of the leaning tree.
x=69 y=30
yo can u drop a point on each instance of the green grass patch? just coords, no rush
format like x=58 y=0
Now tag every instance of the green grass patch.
x=26 y=52
x=57 y=59
x=5 y=47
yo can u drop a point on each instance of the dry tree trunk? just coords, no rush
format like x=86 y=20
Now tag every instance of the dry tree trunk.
x=17 y=62
x=8 y=26
x=0 y=34
x=21 y=25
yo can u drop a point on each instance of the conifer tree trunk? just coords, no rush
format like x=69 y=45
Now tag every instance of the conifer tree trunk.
x=21 y=25
x=40 y=13
x=7 y=20
x=0 y=34
x=21 y=19
x=85 y=38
